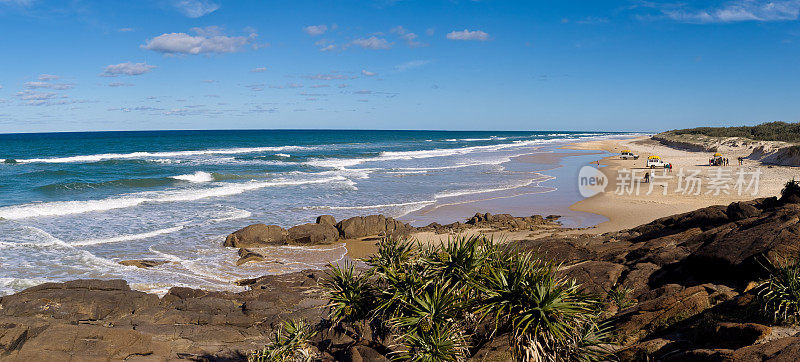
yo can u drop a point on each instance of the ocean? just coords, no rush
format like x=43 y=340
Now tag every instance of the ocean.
x=74 y=204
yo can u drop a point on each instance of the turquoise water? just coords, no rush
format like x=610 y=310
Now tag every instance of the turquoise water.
x=73 y=204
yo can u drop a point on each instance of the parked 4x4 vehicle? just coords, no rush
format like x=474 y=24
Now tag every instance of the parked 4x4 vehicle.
x=628 y=155
x=655 y=161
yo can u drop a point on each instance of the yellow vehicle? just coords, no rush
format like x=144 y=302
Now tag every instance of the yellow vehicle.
x=627 y=155
x=716 y=160
x=655 y=161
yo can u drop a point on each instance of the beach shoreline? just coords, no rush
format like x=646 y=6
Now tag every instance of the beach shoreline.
x=626 y=211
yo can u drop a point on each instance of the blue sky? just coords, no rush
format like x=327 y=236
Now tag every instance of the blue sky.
x=381 y=64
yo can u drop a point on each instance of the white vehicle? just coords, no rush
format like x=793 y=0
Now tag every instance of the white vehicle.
x=655 y=161
x=628 y=155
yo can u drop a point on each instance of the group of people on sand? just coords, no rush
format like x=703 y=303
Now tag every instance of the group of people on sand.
x=720 y=161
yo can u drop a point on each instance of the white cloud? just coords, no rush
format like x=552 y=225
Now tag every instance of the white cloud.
x=17 y=2
x=48 y=77
x=125 y=30
x=367 y=73
x=411 y=65
x=287 y=86
x=409 y=37
x=207 y=40
x=329 y=76
x=127 y=68
x=36 y=98
x=195 y=8
x=315 y=30
x=258 y=70
x=327 y=48
x=373 y=42
x=119 y=84
x=47 y=85
x=735 y=11
x=468 y=35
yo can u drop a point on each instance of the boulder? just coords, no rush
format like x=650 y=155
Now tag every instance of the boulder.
x=142 y=263
x=313 y=234
x=246 y=255
x=362 y=226
x=256 y=235
x=326 y=220
x=742 y=210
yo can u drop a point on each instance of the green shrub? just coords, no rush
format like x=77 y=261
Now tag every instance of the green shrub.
x=548 y=317
x=351 y=296
x=291 y=343
x=434 y=299
x=772 y=131
x=619 y=296
x=780 y=293
x=791 y=190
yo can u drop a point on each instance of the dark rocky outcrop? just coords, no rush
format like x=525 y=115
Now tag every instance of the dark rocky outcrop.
x=313 y=234
x=105 y=319
x=508 y=222
x=142 y=263
x=256 y=235
x=372 y=225
x=247 y=255
x=326 y=220
x=688 y=278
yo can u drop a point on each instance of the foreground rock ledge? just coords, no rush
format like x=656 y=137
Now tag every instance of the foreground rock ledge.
x=105 y=319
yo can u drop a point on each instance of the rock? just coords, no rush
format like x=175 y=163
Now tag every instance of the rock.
x=313 y=234
x=256 y=235
x=246 y=256
x=742 y=210
x=784 y=349
x=596 y=277
x=105 y=320
x=662 y=312
x=362 y=226
x=141 y=263
x=737 y=335
x=326 y=220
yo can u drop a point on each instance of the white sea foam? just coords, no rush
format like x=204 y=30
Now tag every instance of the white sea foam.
x=283 y=155
x=234 y=215
x=58 y=208
x=456 y=193
x=367 y=207
x=342 y=164
x=197 y=177
x=128 y=237
x=136 y=155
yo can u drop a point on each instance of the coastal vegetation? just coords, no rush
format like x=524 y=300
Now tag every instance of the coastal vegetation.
x=441 y=303
x=780 y=293
x=291 y=342
x=771 y=131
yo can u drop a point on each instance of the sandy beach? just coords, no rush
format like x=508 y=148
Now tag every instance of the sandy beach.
x=621 y=210
x=626 y=211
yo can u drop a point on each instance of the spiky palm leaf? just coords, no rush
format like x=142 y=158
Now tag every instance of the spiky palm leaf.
x=351 y=295
x=291 y=343
x=435 y=344
x=545 y=314
x=781 y=292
